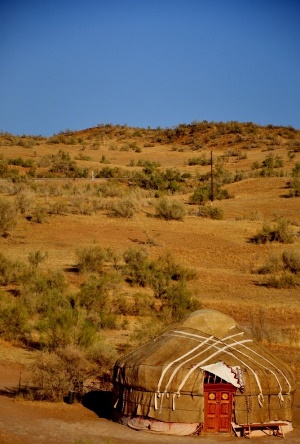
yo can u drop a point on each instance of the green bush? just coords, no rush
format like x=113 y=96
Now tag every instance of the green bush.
x=170 y=210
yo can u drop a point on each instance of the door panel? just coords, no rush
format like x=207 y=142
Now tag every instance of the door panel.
x=218 y=407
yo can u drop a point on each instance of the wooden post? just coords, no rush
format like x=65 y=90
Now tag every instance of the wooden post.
x=211 y=178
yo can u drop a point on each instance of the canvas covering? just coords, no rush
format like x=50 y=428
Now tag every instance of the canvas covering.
x=164 y=378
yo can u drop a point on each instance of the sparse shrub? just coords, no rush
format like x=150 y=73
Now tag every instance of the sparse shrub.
x=58 y=208
x=8 y=216
x=110 y=173
x=21 y=162
x=7 y=270
x=136 y=268
x=109 y=190
x=147 y=329
x=164 y=272
x=148 y=165
x=90 y=259
x=170 y=210
x=108 y=320
x=211 y=212
x=82 y=205
x=14 y=320
x=273 y=265
x=271 y=162
x=36 y=257
x=39 y=214
x=64 y=326
x=54 y=374
x=180 y=301
x=103 y=356
x=125 y=208
x=104 y=159
x=255 y=165
x=202 y=160
x=291 y=260
x=286 y=279
x=24 y=201
x=201 y=195
x=259 y=329
x=142 y=305
x=294 y=184
x=94 y=294
x=48 y=285
x=11 y=272
x=204 y=193
x=278 y=232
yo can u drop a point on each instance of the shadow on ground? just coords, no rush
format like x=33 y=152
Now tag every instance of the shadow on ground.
x=100 y=402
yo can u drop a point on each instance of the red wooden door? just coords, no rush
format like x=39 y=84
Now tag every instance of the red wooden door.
x=218 y=401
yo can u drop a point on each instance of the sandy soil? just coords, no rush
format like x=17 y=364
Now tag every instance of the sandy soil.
x=26 y=422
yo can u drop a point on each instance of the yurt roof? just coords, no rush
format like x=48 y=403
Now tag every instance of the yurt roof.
x=171 y=362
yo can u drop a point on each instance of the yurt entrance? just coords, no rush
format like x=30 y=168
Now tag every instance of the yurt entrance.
x=218 y=404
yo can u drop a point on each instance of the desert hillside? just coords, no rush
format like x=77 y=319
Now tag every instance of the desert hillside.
x=111 y=233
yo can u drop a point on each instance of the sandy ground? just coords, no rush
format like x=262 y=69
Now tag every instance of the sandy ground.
x=26 y=422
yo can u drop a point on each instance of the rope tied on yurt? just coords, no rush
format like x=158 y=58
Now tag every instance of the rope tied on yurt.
x=175 y=395
x=198 y=364
x=180 y=358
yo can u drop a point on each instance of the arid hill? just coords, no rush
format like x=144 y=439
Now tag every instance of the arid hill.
x=111 y=233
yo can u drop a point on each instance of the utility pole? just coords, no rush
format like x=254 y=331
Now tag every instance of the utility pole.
x=211 y=178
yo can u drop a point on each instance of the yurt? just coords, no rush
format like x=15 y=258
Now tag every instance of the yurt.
x=204 y=375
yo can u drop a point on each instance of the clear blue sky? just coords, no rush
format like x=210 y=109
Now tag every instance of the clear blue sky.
x=72 y=64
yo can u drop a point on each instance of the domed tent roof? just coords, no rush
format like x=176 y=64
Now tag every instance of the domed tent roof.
x=164 y=379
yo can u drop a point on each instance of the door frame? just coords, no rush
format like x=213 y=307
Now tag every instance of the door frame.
x=216 y=421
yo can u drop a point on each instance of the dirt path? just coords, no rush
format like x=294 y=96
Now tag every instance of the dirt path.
x=25 y=422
